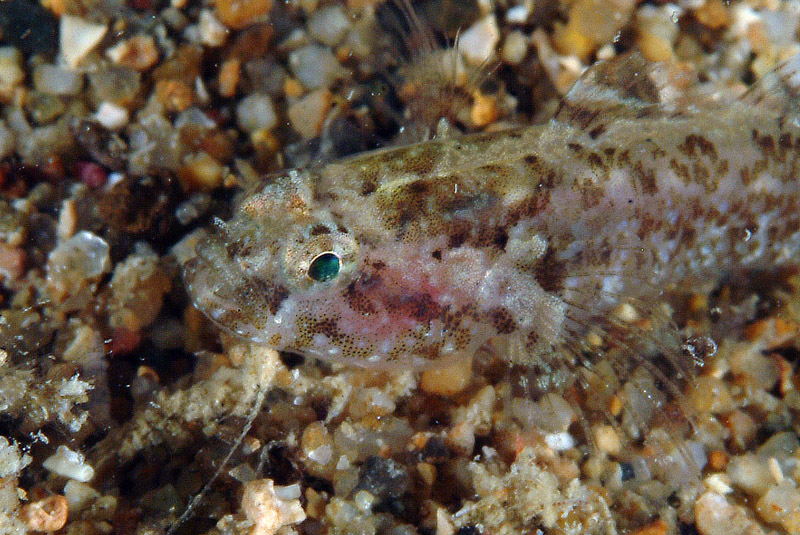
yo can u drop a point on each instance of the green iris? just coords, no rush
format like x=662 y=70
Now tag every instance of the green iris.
x=324 y=267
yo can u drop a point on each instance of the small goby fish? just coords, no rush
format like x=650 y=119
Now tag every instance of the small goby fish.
x=416 y=256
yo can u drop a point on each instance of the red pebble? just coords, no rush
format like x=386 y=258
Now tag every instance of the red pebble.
x=123 y=341
x=91 y=174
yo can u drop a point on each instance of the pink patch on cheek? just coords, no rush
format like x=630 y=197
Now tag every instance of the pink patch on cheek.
x=388 y=301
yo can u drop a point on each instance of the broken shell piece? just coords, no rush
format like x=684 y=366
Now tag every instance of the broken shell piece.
x=49 y=514
x=269 y=507
x=70 y=464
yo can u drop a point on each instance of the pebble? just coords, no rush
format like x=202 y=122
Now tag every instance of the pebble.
x=11 y=71
x=560 y=441
x=192 y=208
x=174 y=95
x=91 y=174
x=781 y=505
x=514 y=48
x=600 y=20
x=85 y=345
x=659 y=527
x=710 y=394
x=718 y=483
x=714 y=515
x=212 y=32
x=70 y=464
x=478 y=42
x=79 y=495
x=12 y=262
x=84 y=252
x=116 y=84
x=449 y=380
x=518 y=14
x=112 y=116
x=307 y=115
x=366 y=402
x=712 y=14
x=28 y=26
x=607 y=439
x=484 y=111
x=269 y=507
x=238 y=14
x=138 y=53
x=657 y=31
x=315 y=66
x=201 y=172
x=229 y=74
x=383 y=478
x=74 y=263
x=329 y=25
x=317 y=444
x=750 y=473
x=256 y=112
x=78 y=37
x=138 y=287
x=55 y=80
x=7 y=141
x=742 y=428
x=48 y=514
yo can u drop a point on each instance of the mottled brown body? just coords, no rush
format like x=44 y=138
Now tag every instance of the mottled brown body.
x=525 y=235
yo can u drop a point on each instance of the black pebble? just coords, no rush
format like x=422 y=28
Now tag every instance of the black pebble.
x=28 y=26
x=383 y=478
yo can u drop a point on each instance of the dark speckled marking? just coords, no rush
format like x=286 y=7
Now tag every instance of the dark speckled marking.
x=681 y=170
x=695 y=144
x=502 y=320
x=420 y=307
x=550 y=272
x=274 y=294
x=596 y=161
x=357 y=297
x=597 y=131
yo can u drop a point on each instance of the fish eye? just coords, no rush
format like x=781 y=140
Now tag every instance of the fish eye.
x=324 y=267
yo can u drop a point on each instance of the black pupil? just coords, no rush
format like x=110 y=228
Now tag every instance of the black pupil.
x=324 y=267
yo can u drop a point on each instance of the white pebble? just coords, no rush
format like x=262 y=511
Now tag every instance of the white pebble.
x=322 y=454
x=329 y=25
x=315 y=66
x=518 y=14
x=79 y=495
x=479 y=41
x=85 y=252
x=256 y=112
x=78 y=37
x=779 y=502
x=70 y=464
x=212 y=32
x=111 y=115
x=719 y=483
x=750 y=473
x=714 y=515
x=560 y=441
x=56 y=80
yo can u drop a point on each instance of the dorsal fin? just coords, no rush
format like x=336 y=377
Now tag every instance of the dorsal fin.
x=779 y=89
x=627 y=86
